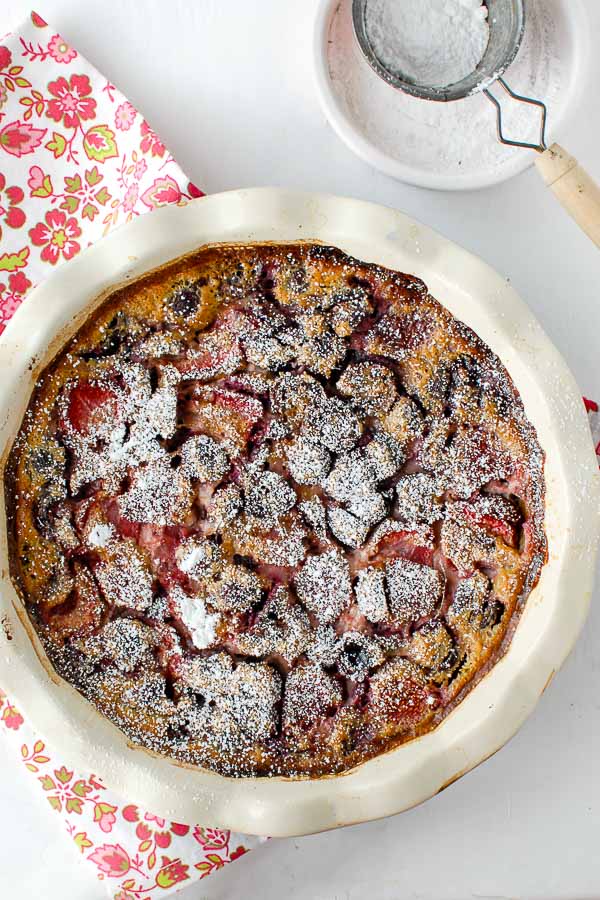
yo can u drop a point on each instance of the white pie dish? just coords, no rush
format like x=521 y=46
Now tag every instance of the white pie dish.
x=554 y=613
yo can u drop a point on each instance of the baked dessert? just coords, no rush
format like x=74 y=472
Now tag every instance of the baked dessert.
x=274 y=510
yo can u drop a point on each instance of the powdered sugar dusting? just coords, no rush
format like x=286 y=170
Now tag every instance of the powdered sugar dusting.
x=100 y=535
x=279 y=541
x=201 y=624
x=434 y=44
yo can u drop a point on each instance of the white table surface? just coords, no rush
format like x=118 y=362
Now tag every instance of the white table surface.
x=228 y=85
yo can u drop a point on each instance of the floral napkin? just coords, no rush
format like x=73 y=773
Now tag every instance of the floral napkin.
x=77 y=160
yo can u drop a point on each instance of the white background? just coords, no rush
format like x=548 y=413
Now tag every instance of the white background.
x=228 y=85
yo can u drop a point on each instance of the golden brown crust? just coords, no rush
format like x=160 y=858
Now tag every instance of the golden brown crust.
x=274 y=510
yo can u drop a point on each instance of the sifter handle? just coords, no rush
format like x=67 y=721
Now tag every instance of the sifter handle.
x=573 y=187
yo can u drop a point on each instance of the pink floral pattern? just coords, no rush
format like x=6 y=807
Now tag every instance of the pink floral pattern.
x=111 y=859
x=76 y=159
x=11 y=295
x=5 y=58
x=10 y=210
x=70 y=102
x=57 y=236
x=20 y=138
x=10 y=715
x=150 y=142
x=125 y=116
x=60 y=51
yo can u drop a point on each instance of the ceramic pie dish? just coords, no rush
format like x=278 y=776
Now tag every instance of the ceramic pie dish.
x=494 y=710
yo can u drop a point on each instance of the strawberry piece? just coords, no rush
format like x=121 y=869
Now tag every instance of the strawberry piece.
x=491 y=524
x=398 y=693
x=89 y=406
x=224 y=415
x=496 y=515
x=162 y=542
x=125 y=528
x=217 y=355
x=421 y=555
x=82 y=612
x=416 y=546
x=351 y=619
x=217 y=352
x=394 y=334
x=247 y=408
x=169 y=653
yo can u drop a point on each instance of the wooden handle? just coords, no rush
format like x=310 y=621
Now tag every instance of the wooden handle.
x=573 y=187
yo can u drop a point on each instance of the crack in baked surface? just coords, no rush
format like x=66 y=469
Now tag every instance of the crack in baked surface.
x=275 y=511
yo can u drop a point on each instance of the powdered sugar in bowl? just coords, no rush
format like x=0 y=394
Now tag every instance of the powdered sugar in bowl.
x=440 y=50
x=453 y=146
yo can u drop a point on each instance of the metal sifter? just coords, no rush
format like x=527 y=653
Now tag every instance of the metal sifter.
x=576 y=191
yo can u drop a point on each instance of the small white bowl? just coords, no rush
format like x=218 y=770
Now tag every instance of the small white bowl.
x=436 y=145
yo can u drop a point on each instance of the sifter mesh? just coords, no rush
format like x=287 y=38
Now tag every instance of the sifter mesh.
x=506 y=20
